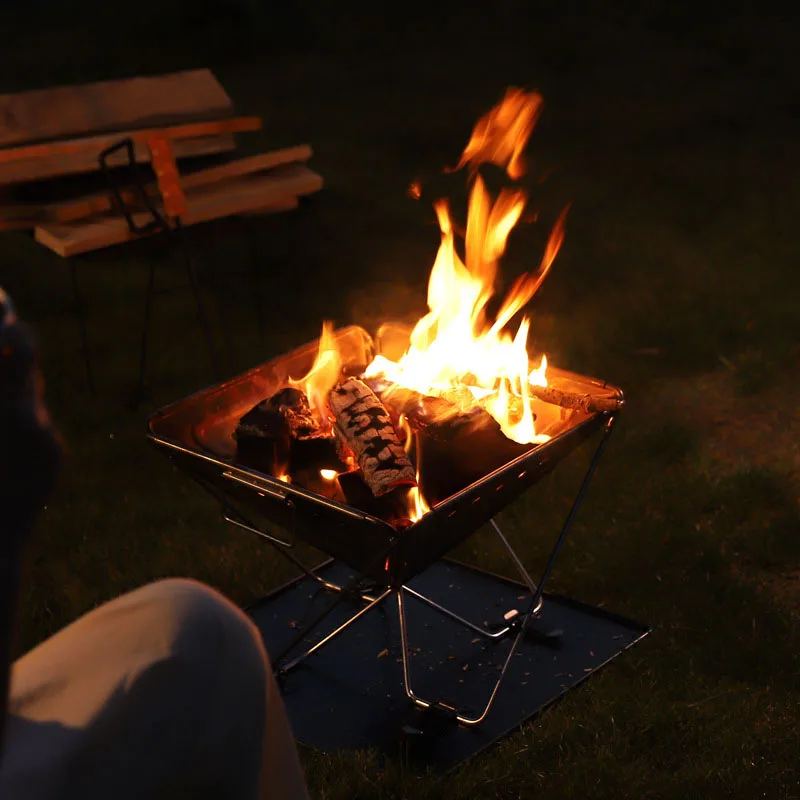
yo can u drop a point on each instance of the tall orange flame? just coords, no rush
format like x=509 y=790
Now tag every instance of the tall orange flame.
x=453 y=349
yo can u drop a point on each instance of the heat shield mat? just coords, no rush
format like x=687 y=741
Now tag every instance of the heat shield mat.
x=350 y=695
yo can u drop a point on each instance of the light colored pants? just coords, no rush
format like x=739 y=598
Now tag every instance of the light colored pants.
x=165 y=692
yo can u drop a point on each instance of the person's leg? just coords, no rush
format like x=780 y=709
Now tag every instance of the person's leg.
x=162 y=693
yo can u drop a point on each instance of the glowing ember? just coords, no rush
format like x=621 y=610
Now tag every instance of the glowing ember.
x=328 y=474
x=455 y=351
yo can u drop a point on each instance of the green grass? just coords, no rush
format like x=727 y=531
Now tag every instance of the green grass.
x=677 y=150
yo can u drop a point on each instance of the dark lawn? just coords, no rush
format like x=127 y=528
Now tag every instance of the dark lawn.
x=673 y=132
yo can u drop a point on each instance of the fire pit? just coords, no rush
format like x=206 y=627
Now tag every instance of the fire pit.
x=387 y=452
x=197 y=434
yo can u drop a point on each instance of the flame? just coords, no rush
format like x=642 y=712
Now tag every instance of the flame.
x=322 y=376
x=328 y=474
x=417 y=505
x=455 y=351
x=500 y=136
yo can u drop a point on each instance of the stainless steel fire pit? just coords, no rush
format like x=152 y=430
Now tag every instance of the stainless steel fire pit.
x=197 y=435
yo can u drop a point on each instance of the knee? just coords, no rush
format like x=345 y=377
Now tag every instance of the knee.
x=205 y=628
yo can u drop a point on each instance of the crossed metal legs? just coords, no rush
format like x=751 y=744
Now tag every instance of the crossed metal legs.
x=517 y=624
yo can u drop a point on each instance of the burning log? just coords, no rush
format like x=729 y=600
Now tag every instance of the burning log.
x=367 y=429
x=588 y=403
x=454 y=448
x=419 y=409
x=438 y=416
x=392 y=507
x=281 y=434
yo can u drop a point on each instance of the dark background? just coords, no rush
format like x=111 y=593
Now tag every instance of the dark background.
x=672 y=128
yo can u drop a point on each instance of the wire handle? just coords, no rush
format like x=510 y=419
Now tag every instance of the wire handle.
x=157 y=222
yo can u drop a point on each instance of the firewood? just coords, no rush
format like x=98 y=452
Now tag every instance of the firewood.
x=59 y=112
x=101 y=202
x=419 y=409
x=275 y=190
x=60 y=165
x=454 y=455
x=281 y=435
x=588 y=403
x=366 y=427
x=438 y=415
x=96 y=144
x=392 y=507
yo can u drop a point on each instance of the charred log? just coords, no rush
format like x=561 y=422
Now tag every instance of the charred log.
x=282 y=435
x=454 y=456
x=367 y=429
x=420 y=410
x=437 y=415
x=392 y=507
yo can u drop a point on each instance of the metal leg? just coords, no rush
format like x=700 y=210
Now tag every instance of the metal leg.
x=343 y=592
x=191 y=272
x=515 y=558
x=520 y=624
x=537 y=596
x=283 y=548
x=498 y=634
x=463 y=719
x=347 y=591
x=80 y=312
x=148 y=312
x=343 y=627
x=280 y=546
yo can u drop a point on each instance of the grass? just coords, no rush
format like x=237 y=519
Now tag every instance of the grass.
x=670 y=137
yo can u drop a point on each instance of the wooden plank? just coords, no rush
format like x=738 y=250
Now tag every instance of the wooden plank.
x=101 y=202
x=96 y=144
x=36 y=169
x=246 y=166
x=239 y=196
x=19 y=217
x=67 y=111
x=278 y=189
x=20 y=224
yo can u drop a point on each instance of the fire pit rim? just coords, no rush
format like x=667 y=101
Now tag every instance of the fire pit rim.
x=285 y=490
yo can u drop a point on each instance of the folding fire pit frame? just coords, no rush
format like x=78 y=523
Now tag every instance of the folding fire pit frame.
x=195 y=434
